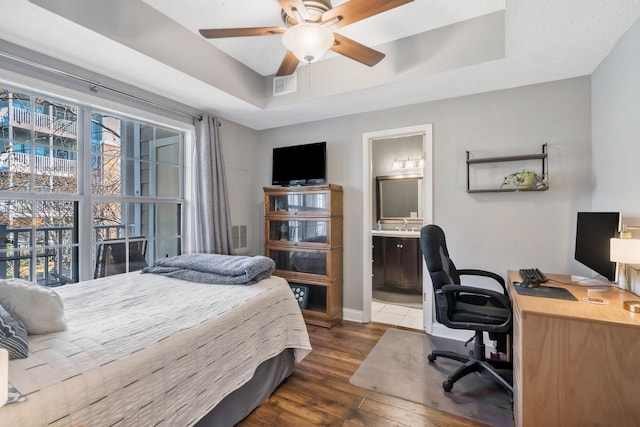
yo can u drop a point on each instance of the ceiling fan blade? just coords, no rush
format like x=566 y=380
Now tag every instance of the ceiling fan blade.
x=292 y=6
x=289 y=65
x=241 y=32
x=357 y=10
x=356 y=51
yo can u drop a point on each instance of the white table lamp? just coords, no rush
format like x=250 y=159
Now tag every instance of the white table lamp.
x=4 y=376
x=625 y=251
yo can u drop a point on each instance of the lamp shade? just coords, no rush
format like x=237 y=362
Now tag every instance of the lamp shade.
x=625 y=251
x=308 y=41
x=4 y=376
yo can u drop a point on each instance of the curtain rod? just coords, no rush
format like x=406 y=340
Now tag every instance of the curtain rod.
x=95 y=85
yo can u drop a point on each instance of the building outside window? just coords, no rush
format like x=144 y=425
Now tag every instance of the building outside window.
x=67 y=171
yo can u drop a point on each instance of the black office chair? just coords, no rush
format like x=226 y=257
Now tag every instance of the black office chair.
x=466 y=307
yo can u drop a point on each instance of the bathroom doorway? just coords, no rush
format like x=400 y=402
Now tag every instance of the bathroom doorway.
x=396 y=164
x=398 y=156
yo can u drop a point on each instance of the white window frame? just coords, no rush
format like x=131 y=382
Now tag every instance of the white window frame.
x=86 y=104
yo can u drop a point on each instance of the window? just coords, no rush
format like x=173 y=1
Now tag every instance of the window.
x=135 y=184
x=131 y=187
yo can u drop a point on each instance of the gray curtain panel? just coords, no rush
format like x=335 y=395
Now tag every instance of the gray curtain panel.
x=212 y=221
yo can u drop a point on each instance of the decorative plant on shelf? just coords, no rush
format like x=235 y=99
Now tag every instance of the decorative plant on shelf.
x=526 y=180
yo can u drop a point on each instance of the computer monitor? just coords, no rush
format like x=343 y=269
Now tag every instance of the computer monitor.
x=593 y=231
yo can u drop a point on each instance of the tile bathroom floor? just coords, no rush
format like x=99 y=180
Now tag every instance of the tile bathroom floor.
x=398 y=315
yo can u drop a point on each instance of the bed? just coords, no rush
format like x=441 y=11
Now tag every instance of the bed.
x=150 y=350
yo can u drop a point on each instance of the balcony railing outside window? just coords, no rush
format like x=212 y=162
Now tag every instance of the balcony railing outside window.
x=56 y=258
x=21 y=117
x=44 y=165
x=133 y=190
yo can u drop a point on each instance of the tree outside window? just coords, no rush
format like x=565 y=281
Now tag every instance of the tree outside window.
x=42 y=186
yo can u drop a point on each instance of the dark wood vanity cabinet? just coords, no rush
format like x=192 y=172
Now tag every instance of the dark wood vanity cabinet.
x=377 y=268
x=397 y=263
x=402 y=267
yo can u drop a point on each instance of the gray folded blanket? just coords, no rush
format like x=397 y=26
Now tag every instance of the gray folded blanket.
x=214 y=268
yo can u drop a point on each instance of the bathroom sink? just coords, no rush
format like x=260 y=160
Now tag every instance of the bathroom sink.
x=396 y=233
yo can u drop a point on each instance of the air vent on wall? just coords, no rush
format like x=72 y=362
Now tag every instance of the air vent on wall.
x=285 y=84
x=239 y=236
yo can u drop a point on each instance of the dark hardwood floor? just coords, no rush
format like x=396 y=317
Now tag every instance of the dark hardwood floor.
x=319 y=393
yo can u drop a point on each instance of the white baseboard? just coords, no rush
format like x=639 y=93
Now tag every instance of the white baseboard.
x=352 y=315
x=438 y=330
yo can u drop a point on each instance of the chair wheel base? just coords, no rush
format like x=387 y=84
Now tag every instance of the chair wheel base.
x=447 y=385
x=431 y=358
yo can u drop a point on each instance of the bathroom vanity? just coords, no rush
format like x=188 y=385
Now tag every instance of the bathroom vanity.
x=397 y=260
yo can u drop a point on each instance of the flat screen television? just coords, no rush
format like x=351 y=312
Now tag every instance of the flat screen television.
x=593 y=231
x=304 y=164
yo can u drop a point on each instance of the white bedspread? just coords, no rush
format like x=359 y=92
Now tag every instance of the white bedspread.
x=148 y=350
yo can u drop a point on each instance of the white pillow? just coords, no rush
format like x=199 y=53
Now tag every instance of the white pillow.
x=39 y=308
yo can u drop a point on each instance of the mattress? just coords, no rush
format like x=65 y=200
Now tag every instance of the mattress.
x=149 y=350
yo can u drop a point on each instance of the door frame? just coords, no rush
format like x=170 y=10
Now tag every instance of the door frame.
x=426 y=130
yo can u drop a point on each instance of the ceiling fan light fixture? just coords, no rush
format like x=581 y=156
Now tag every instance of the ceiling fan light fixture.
x=308 y=41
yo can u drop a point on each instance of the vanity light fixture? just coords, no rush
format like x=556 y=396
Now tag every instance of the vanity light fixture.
x=410 y=163
x=413 y=163
x=397 y=164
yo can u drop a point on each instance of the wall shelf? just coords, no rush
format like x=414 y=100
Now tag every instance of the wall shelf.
x=543 y=157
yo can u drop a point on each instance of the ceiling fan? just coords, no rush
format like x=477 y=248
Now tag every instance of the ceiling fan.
x=307 y=31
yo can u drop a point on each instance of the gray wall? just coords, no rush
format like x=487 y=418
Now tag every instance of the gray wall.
x=492 y=231
x=616 y=127
x=239 y=147
x=616 y=132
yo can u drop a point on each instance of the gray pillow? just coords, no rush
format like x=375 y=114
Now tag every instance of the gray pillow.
x=13 y=336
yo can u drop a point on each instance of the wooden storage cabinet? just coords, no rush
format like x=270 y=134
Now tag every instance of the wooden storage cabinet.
x=397 y=263
x=303 y=235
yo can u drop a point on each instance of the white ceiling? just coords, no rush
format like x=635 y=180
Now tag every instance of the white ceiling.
x=264 y=54
x=154 y=44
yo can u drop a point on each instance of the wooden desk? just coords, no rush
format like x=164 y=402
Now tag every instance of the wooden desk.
x=575 y=363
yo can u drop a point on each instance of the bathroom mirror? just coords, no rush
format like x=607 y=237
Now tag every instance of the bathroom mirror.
x=399 y=197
